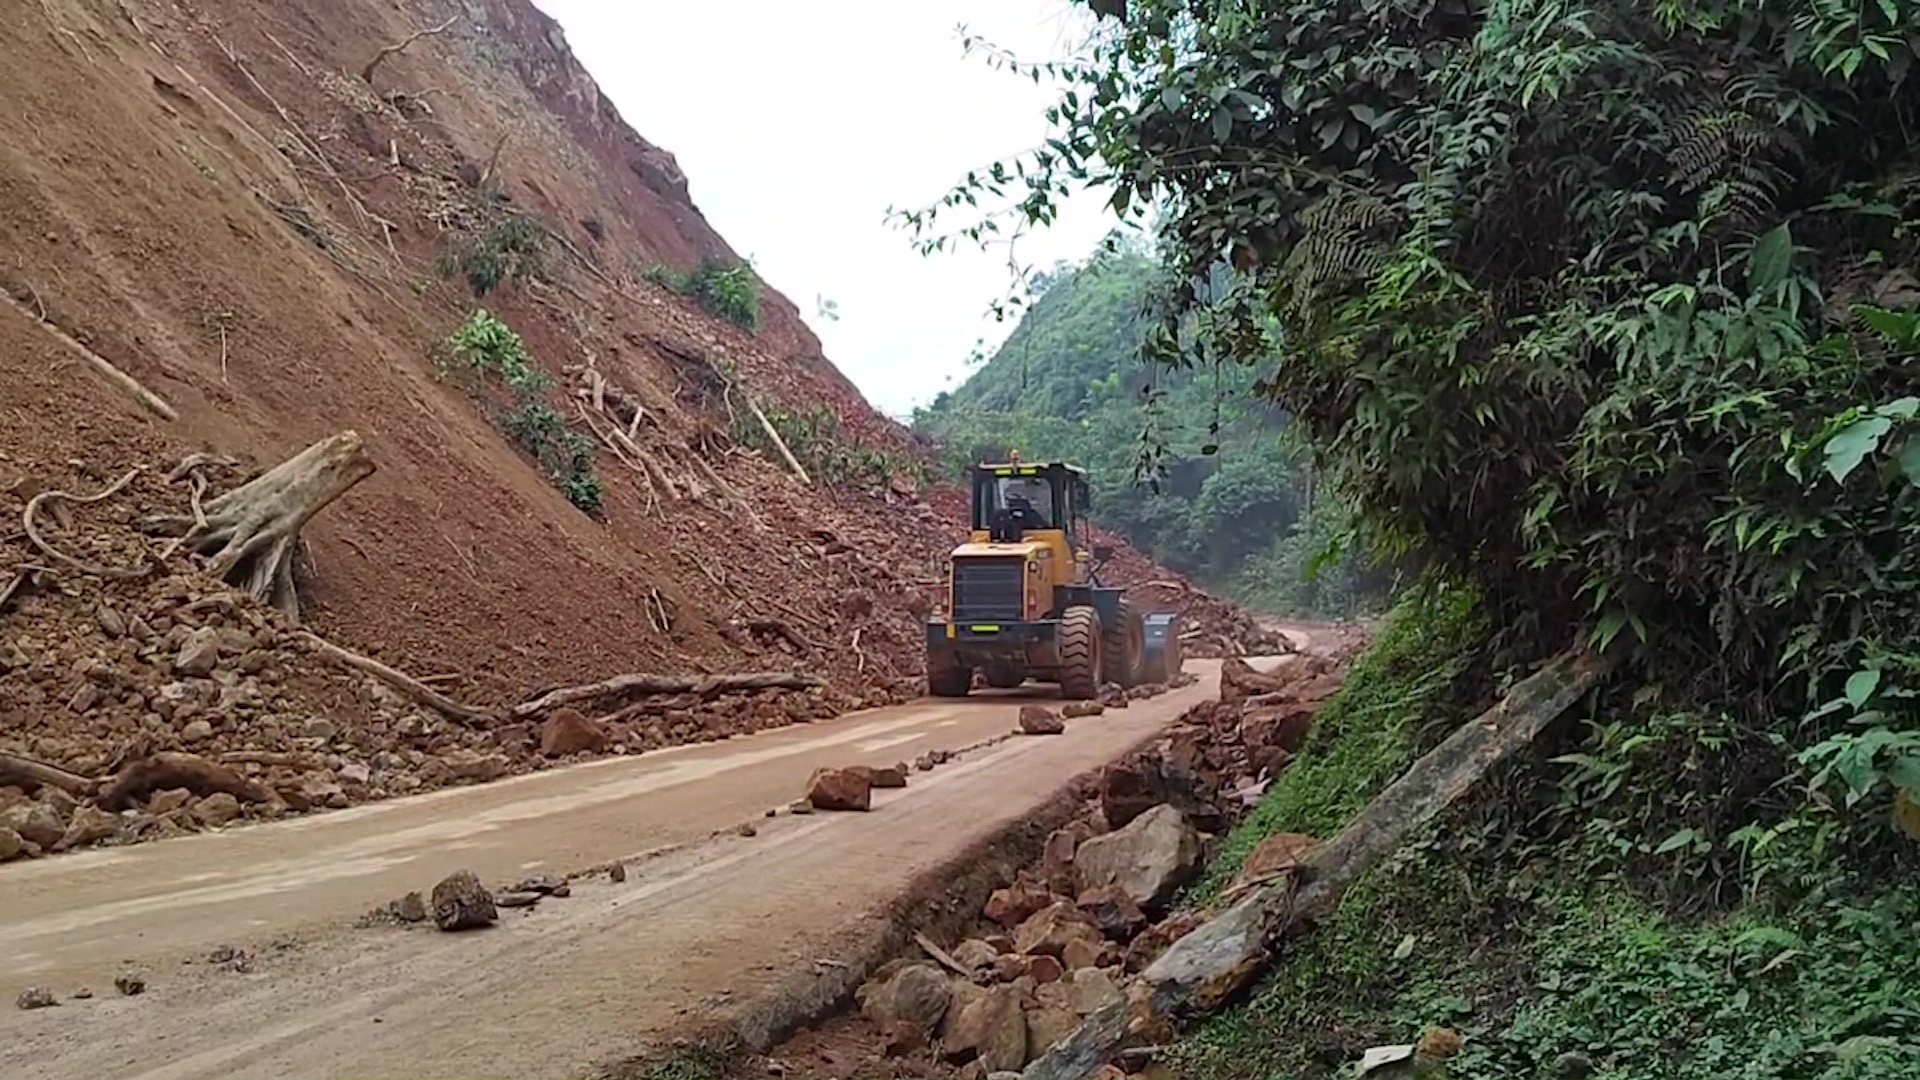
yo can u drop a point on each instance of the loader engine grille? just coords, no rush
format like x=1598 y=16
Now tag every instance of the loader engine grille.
x=988 y=588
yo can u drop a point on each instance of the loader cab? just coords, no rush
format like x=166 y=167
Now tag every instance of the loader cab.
x=1013 y=500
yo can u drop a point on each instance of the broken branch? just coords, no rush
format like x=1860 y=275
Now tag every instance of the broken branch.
x=406 y=684
x=1199 y=972
x=366 y=73
x=705 y=686
x=166 y=771
x=28 y=773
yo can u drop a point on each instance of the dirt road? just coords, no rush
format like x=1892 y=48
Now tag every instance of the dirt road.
x=704 y=923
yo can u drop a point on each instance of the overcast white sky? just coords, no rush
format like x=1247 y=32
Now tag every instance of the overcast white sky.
x=798 y=124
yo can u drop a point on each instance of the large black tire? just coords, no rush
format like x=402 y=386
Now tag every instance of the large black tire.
x=946 y=678
x=1125 y=644
x=1004 y=676
x=1080 y=654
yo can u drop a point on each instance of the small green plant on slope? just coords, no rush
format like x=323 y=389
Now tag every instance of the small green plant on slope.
x=508 y=253
x=815 y=438
x=482 y=353
x=727 y=290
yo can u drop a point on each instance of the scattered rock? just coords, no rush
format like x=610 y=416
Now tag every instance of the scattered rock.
x=217 y=809
x=37 y=823
x=840 y=789
x=11 y=844
x=1052 y=929
x=1091 y=989
x=36 y=997
x=1074 y=710
x=545 y=885
x=1044 y=969
x=514 y=898
x=889 y=776
x=1273 y=856
x=1040 y=720
x=166 y=802
x=90 y=825
x=1148 y=860
x=130 y=984
x=916 y=993
x=478 y=767
x=800 y=806
x=568 y=732
x=1113 y=910
x=975 y=955
x=617 y=873
x=992 y=1030
x=747 y=828
x=1153 y=941
x=411 y=908
x=460 y=902
x=111 y=622
x=196 y=731
x=1014 y=904
x=83 y=994
x=231 y=957
x=1047 y=1025
x=199 y=654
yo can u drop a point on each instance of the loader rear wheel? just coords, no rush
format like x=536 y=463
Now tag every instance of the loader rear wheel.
x=1080 y=653
x=1125 y=645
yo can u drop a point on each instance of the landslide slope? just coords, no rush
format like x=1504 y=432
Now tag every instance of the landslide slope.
x=244 y=207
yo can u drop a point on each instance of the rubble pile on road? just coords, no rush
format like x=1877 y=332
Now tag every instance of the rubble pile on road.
x=1068 y=933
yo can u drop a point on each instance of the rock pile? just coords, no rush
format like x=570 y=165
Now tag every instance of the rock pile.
x=1064 y=937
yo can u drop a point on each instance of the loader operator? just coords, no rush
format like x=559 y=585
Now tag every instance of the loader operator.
x=1029 y=503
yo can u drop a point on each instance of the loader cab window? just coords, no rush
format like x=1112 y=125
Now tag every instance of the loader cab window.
x=1008 y=505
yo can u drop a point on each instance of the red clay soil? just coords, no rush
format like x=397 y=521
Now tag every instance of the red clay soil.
x=218 y=201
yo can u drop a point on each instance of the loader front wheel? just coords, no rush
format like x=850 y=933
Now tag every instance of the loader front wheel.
x=1080 y=653
x=947 y=677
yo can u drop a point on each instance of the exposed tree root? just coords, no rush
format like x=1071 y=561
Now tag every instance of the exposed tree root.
x=406 y=684
x=250 y=533
x=126 y=383
x=1203 y=969
x=165 y=771
x=701 y=686
x=28 y=773
x=33 y=533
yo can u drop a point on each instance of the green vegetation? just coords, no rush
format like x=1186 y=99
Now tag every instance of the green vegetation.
x=484 y=353
x=724 y=289
x=1605 y=310
x=828 y=455
x=507 y=253
x=1187 y=467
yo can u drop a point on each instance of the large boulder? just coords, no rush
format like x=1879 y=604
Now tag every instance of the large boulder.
x=460 y=902
x=568 y=732
x=992 y=1030
x=1149 y=860
x=1040 y=720
x=917 y=994
x=841 y=789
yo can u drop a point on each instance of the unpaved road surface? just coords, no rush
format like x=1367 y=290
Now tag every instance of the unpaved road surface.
x=702 y=924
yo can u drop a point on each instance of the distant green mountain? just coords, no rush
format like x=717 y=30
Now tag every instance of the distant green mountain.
x=1186 y=464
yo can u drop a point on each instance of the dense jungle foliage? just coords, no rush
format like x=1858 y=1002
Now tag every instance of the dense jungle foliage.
x=1607 y=310
x=1190 y=467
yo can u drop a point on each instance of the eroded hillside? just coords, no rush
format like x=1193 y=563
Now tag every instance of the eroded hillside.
x=274 y=219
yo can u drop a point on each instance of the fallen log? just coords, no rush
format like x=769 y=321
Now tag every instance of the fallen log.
x=165 y=771
x=700 y=686
x=1199 y=972
x=406 y=684
x=249 y=534
x=28 y=773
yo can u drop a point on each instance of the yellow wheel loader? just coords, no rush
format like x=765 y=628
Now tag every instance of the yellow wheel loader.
x=1024 y=601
